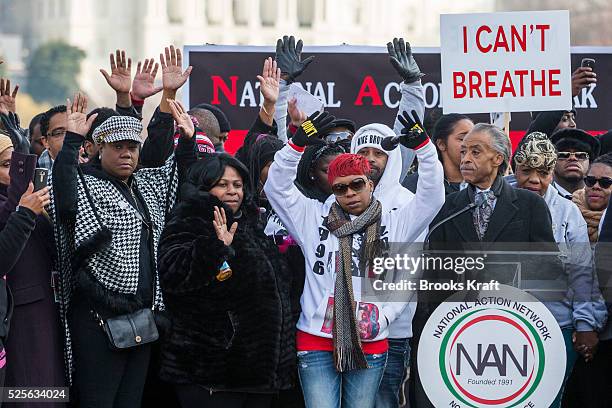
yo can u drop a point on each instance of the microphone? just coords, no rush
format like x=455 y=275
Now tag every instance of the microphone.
x=478 y=202
x=390 y=142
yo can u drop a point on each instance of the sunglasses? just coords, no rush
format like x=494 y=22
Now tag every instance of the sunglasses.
x=335 y=136
x=577 y=155
x=604 y=182
x=357 y=185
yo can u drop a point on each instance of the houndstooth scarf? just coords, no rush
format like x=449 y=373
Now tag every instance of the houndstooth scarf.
x=117 y=267
x=348 y=354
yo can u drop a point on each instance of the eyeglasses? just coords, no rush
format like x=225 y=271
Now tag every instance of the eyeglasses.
x=577 y=155
x=604 y=182
x=335 y=136
x=57 y=133
x=357 y=185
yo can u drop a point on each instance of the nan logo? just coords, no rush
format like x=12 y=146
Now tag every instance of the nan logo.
x=504 y=349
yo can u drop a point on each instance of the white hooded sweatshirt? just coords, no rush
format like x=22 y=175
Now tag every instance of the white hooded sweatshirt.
x=304 y=219
x=392 y=195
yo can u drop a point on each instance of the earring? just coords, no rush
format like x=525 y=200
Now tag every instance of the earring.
x=312 y=177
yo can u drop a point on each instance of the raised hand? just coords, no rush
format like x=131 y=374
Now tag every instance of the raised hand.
x=77 y=118
x=220 y=224
x=269 y=81
x=173 y=76
x=7 y=98
x=12 y=125
x=120 y=78
x=297 y=116
x=318 y=123
x=413 y=133
x=400 y=56
x=35 y=201
x=143 y=85
x=289 y=58
x=183 y=121
x=581 y=78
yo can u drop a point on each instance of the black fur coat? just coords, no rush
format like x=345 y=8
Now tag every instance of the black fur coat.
x=237 y=334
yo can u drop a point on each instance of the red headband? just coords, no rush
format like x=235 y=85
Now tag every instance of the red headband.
x=348 y=164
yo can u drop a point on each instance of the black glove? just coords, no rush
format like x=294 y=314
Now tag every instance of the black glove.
x=288 y=57
x=316 y=125
x=413 y=134
x=18 y=136
x=401 y=58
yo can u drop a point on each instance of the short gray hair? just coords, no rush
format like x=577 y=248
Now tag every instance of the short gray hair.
x=499 y=142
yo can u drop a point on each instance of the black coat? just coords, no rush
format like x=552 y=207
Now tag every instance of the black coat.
x=521 y=221
x=237 y=334
x=519 y=216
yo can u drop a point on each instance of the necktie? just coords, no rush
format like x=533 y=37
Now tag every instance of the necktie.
x=482 y=215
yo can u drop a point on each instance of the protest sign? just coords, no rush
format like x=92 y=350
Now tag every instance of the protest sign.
x=505 y=62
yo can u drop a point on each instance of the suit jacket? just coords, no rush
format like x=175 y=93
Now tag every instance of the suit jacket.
x=521 y=221
x=519 y=216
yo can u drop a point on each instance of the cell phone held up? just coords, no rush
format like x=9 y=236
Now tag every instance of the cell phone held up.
x=41 y=175
x=588 y=62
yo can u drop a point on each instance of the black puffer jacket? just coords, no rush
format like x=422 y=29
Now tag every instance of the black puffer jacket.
x=237 y=334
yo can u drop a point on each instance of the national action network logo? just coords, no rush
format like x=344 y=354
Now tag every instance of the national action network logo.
x=503 y=349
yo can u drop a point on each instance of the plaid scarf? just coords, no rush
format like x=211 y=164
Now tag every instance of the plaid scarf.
x=348 y=354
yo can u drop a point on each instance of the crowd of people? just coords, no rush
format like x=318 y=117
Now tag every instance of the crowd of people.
x=164 y=271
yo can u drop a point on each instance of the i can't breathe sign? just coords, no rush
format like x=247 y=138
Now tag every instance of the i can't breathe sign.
x=505 y=62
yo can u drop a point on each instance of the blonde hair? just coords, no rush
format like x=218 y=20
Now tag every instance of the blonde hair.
x=536 y=151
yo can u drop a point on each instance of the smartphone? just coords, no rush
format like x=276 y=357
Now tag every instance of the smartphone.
x=588 y=62
x=40 y=178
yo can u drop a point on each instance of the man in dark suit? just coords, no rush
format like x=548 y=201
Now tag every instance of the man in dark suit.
x=507 y=214
x=517 y=218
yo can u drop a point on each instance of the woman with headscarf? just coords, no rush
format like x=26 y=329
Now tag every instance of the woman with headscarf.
x=583 y=314
x=227 y=289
